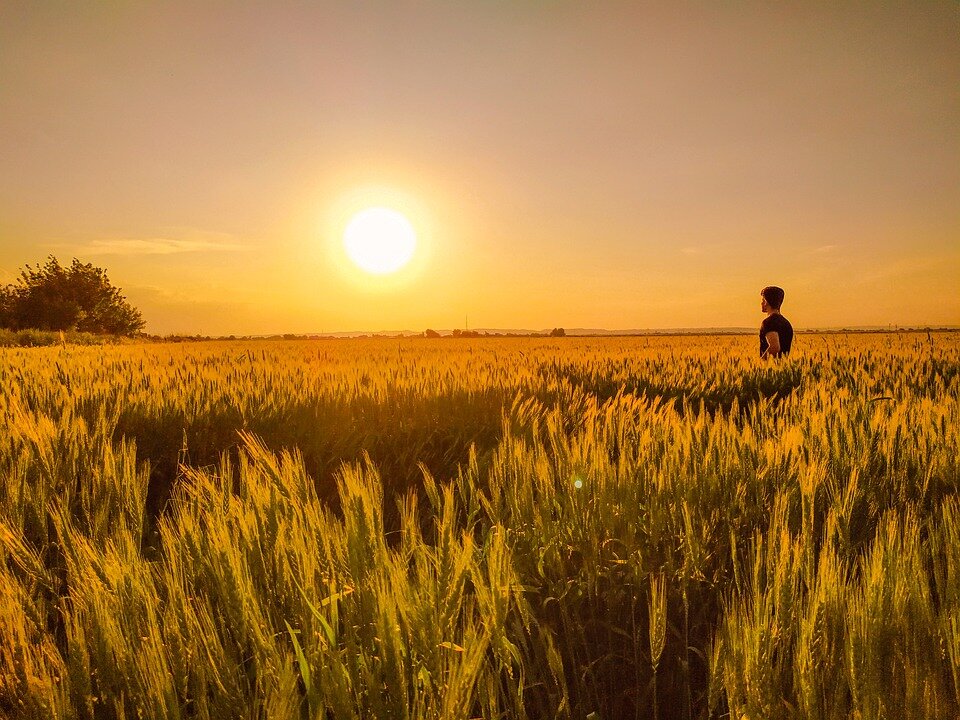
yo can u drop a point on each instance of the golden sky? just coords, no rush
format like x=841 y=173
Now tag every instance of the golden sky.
x=574 y=164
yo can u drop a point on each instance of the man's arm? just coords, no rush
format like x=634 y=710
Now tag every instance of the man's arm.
x=773 y=345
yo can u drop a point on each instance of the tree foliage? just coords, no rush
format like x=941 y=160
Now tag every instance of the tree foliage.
x=77 y=297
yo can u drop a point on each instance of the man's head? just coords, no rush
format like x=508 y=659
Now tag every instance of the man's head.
x=772 y=298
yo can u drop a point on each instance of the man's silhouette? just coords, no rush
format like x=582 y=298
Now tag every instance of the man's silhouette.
x=776 y=332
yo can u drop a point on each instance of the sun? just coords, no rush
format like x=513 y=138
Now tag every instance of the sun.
x=380 y=240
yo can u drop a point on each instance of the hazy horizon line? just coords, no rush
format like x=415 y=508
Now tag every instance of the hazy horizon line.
x=569 y=332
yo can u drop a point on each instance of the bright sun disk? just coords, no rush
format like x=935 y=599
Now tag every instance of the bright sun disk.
x=379 y=240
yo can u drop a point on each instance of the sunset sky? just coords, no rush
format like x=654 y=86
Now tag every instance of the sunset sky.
x=564 y=164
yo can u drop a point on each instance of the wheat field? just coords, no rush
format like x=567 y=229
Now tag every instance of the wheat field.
x=649 y=527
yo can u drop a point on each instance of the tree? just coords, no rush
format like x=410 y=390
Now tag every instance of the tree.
x=558 y=332
x=79 y=297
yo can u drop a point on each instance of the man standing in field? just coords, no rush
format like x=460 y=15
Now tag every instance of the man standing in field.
x=776 y=332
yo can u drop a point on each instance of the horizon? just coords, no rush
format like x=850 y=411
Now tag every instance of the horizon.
x=571 y=332
x=557 y=165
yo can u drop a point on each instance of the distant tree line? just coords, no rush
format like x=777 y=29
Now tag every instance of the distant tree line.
x=78 y=297
x=457 y=333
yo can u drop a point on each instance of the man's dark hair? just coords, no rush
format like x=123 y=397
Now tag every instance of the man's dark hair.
x=773 y=295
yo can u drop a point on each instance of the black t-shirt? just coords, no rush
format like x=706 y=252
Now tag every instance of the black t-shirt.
x=781 y=326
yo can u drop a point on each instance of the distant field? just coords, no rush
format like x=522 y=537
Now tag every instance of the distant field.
x=499 y=528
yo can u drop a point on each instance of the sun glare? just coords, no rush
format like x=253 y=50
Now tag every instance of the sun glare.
x=380 y=240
